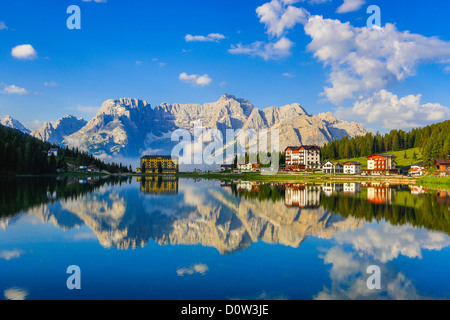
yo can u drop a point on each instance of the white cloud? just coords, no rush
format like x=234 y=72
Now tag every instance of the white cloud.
x=139 y=63
x=349 y=279
x=312 y=2
x=388 y=242
x=3 y=26
x=279 y=16
x=50 y=84
x=197 y=268
x=98 y=1
x=363 y=60
x=195 y=79
x=34 y=125
x=10 y=254
x=393 y=112
x=288 y=75
x=13 y=89
x=16 y=294
x=350 y=6
x=24 y=52
x=212 y=37
x=265 y=50
x=377 y=245
x=160 y=63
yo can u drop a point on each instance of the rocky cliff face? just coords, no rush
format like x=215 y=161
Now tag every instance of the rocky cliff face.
x=12 y=123
x=131 y=127
x=60 y=130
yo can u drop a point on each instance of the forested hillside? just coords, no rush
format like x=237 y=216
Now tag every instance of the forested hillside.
x=433 y=141
x=23 y=154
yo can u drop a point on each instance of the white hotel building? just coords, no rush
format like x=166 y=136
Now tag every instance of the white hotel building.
x=302 y=158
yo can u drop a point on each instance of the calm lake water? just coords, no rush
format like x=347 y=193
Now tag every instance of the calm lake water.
x=195 y=239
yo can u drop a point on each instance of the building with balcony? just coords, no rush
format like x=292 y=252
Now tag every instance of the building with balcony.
x=332 y=167
x=443 y=167
x=352 y=167
x=303 y=158
x=159 y=164
x=381 y=165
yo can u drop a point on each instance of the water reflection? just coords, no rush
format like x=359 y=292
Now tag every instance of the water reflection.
x=229 y=217
x=159 y=184
x=359 y=224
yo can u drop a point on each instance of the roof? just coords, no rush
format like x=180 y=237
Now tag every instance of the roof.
x=382 y=155
x=304 y=147
x=352 y=163
x=442 y=161
x=418 y=164
x=155 y=157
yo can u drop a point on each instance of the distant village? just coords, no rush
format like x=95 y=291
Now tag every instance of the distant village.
x=300 y=159
x=308 y=158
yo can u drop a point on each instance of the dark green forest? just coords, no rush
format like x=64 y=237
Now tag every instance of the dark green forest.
x=18 y=195
x=23 y=154
x=427 y=213
x=433 y=141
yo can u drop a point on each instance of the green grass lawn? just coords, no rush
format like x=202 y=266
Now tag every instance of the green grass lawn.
x=435 y=182
x=402 y=162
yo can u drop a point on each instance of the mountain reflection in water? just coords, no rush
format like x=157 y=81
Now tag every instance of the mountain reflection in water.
x=226 y=216
x=185 y=239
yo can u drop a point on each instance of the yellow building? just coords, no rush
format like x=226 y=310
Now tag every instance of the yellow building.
x=159 y=185
x=159 y=164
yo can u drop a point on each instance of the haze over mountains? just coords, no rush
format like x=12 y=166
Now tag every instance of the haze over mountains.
x=132 y=127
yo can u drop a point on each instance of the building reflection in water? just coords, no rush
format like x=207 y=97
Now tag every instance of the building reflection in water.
x=330 y=189
x=443 y=196
x=309 y=196
x=381 y=194
x=302 y=196
x=229 y=216
x=159 y=184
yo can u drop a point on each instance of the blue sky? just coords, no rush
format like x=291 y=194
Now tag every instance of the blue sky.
x=272 y=53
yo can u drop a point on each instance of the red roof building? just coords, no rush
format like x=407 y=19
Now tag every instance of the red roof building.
x=381 y=165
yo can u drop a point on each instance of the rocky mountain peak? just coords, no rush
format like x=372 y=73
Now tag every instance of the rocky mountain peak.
x=131 y=127
x=10 y=122
x=63 y=127
x=122 y=106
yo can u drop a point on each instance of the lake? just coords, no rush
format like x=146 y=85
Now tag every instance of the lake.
x=170 y=238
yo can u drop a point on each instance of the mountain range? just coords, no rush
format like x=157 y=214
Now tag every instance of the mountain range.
x=131 y=127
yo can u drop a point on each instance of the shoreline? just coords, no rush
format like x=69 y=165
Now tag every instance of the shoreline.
x=427 y=182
